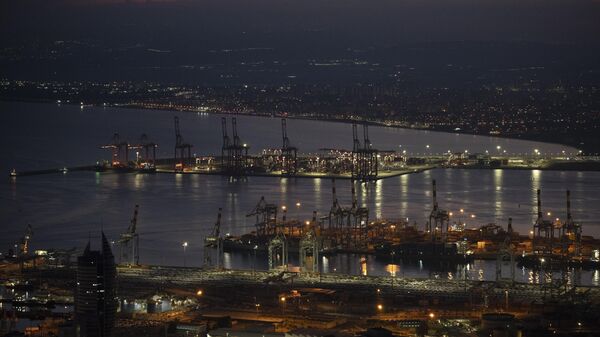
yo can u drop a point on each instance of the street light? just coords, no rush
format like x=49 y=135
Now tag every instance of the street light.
x=282 y=300
x=184 y=245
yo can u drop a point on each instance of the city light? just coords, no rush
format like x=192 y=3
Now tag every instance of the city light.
x=345 y=106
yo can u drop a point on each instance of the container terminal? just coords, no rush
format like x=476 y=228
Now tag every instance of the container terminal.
x=289 y=298
x=301 y=299
x=363 y=163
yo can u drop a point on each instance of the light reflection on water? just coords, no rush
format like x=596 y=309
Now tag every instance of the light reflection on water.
x=65 y=209
x=479 y=270
x=69 y=207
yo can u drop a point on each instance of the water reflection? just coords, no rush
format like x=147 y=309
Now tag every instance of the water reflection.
x=363 y=266
x=498 y=197
x=378 y=199
x=227 y=261
x=317 y=191
x=178 y=181
x=63 y=219
x=404 y=181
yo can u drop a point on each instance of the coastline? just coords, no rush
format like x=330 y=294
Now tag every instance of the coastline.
x=377 y=123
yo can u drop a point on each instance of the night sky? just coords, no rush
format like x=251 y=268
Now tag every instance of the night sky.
x=121 y=40
x=342 y=21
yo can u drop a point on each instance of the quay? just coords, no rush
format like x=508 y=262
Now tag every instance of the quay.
x=363 y=162
x=428 y=163
x=148 y=277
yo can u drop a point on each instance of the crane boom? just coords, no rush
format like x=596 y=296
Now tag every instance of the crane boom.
x=224 y=128
x=286 y=141
x=355 y=141
x=133 y=224
x=367 y=141
x=178 y=138
x=217 y=226
x=236 y=139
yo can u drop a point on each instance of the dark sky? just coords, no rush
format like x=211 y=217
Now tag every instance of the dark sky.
x=357 y=21
x=157 y=40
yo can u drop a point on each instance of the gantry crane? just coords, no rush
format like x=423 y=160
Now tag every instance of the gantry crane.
x=439 y=219
x=130 y=242
x=146 y=160
x=266 y=218
x=24 y=248
x=359 y=220
x=211 y=242
x=120 y=152
x=233 y=154
x=289 y=154
x=570 y=233
x=365 y=159
x=183 y=151
x=543 y=231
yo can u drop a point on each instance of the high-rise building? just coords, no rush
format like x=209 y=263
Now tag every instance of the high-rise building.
x=95 y=303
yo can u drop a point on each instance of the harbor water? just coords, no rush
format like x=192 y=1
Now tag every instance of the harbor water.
x=67 y=209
